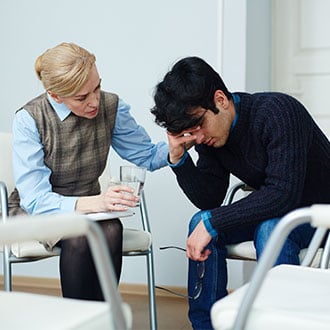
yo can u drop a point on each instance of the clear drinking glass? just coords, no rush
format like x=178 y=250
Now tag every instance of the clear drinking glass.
x=134 y=177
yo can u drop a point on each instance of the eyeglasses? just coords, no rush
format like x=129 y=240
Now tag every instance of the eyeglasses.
x=200 y=269
x=176 y=126
x=199 y=283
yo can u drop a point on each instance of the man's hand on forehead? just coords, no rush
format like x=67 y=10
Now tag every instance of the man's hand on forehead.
x=186 y=132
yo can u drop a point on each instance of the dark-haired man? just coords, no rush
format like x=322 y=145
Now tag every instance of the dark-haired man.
x=267 y=140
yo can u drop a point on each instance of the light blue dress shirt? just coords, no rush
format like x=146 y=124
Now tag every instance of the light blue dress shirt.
x=32 y=176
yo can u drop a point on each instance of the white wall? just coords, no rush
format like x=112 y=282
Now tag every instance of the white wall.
x=135 y=43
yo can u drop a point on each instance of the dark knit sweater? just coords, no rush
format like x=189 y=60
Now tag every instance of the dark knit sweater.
x=276 y=148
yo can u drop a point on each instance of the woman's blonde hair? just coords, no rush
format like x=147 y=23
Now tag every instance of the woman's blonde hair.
x=64 y=69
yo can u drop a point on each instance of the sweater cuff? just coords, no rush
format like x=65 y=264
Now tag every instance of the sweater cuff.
x=206 y=216
x=180 y=162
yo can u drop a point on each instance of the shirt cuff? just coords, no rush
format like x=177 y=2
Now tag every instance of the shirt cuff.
x=206 y=216
x=68 y=203
x=180 y=162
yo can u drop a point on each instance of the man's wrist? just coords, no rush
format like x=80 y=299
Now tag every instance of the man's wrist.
x=180 y=162
x=206 y=217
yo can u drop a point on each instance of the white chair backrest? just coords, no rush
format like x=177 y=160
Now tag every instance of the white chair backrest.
x=6 y=163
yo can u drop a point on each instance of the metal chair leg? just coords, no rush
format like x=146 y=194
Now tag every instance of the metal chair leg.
x=6 y=249
x=151 y=291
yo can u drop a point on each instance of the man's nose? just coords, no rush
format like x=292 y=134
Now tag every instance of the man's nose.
x=200 y=137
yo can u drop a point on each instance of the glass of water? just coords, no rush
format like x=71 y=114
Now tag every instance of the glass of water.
x=134 y=177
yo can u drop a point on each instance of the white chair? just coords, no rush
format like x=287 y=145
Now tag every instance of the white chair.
x=286 y=296
x=135 y=242
x=33 y=311
x=245 y=250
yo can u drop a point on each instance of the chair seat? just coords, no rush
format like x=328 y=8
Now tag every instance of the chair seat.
x=136 y=240
x=281 y=302
x=32 y=249
x=133 y=240
x=244 y=250
x=247 y=251
x=32 y=311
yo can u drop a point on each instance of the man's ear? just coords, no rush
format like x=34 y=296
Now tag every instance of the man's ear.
x=220 y=99
x=57 y=98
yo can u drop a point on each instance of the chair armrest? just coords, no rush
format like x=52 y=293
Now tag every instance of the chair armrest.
x=234 y=189
x=321 y=215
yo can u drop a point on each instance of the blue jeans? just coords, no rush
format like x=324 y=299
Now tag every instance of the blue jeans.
x=214 y=282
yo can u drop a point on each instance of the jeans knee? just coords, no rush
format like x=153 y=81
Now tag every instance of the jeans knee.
x=262 y=233
x=265 y=228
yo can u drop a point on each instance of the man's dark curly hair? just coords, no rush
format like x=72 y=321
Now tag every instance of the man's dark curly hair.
x=189 y=85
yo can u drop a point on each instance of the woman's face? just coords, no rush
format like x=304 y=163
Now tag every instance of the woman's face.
x=86 y=102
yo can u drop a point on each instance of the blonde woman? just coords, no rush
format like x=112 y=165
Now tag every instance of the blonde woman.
x=61 y=144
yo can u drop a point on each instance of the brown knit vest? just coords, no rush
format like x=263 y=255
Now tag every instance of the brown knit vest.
x=75 y=149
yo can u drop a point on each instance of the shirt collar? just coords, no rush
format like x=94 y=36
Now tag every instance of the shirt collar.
x=237 y=101
x=60 y=108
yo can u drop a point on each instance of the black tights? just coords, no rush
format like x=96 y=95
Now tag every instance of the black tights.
x=78 y=273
